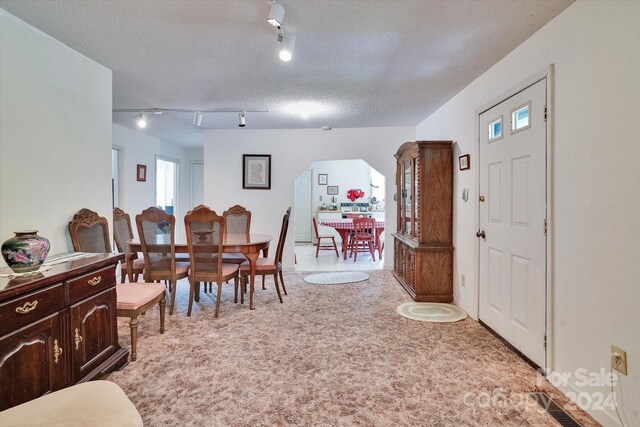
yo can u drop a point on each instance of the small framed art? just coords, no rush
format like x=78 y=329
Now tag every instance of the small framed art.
x=332 y=190
x=323 y=179
x=256 y=171
x=141 y=173
x=464 y=162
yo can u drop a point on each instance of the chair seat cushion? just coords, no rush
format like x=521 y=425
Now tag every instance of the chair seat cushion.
x=261 y=264
x=94 y=403
x=209 y=270
x=182 y=268
x=131 y=296
x=138 y=265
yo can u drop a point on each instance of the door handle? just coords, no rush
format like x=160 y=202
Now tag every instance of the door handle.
x=481 y=233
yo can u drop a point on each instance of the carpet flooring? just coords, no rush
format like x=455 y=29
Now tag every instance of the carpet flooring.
x=329 y=356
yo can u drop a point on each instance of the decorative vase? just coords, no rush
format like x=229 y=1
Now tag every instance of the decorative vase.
x=26 y=251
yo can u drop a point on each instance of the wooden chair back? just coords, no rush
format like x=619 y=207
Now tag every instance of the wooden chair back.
x=205 y=233
x=156 y=230
x=89 y=232
x=283 y=236
x=122 y=231
x=364 y=226
x=238 y=220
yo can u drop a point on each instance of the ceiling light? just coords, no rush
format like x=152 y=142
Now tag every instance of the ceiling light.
x=326 y=128
x=287 y=41
x=140 y=121
x=243 y=119
x=276 y=15
x=197 y=119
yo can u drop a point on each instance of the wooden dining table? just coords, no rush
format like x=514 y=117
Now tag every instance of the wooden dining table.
x=345 y=225
x=250 y=246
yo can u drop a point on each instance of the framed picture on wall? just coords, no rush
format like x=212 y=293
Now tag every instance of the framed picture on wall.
x=141 y=173
x=256 y=171
x=464 y=162
x=323 y=179
x=332 y=190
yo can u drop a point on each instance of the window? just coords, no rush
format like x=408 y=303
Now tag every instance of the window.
x=166 y=184
x=520 y=118
x=495 y=129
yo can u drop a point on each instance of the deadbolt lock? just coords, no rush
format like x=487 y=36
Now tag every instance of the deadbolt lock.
x=481 y=198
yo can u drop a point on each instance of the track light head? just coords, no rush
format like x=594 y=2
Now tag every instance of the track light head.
x=140 y=121
x=242 y=116
x=276 y=15
x=197 y=119
x=287 y=42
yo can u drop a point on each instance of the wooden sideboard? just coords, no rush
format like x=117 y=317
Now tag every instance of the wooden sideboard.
x=58 y=328
x=423 y=242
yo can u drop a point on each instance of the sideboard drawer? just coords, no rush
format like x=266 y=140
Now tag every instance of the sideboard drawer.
x=89 y=284
x=27 y=309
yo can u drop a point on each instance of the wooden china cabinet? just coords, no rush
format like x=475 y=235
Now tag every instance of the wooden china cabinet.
x=58 y=328
x=423 y=243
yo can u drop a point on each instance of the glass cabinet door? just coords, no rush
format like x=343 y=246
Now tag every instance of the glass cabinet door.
x=408 y=200
x=416 y=210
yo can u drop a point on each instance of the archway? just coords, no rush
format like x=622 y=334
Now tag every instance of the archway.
x=334 y=190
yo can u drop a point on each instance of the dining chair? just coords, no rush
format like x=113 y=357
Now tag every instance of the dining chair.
x=364 y=233
x=90 y=233
x=156 y=230
x=122 y=233
x=268 y=266
x=320 y=246
x=205 y=234
x=238 y=221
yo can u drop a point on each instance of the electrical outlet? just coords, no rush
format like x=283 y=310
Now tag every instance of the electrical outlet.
x=619 y=360
x=462 y=280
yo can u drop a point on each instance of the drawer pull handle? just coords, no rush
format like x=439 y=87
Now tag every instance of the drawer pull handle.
x=27 y=307
x=78 y=339
x=57 y=351
x=94 y=281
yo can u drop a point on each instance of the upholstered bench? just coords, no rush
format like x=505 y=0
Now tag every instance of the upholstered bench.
x=96 y=403
x=136 y=298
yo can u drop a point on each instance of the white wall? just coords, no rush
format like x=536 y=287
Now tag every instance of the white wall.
x=55 y=133
x=595 y=49
x=291 y=152
x=138 y=148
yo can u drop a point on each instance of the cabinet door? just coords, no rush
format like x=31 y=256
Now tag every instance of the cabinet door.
x=94 y=334
x=32 y=362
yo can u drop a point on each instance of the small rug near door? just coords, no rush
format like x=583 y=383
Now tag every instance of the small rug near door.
x=337 y=278
x=431 y=312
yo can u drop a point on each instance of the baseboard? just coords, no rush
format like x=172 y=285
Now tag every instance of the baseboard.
x=606 y=418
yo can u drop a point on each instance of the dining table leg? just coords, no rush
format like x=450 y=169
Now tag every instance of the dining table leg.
x=253 y=260
x=344 y=235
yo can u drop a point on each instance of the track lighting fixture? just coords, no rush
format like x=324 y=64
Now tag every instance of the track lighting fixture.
x=140 y=121
x=243 y=119
x=276 y=15
x=287 y=41
x=197 y=119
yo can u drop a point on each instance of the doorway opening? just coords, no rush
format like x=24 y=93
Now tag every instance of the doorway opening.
x=332 y=193
x=167 y=184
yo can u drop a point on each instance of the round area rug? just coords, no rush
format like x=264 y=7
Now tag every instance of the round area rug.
x=338 y=278
x=431 y=312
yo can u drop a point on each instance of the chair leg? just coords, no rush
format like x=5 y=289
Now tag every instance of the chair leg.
x=282 y=282
x=372 y=250
x=122 y=276
x=173 y=297
x=163 y=303
x=197 y=291
x=318 y=247
x=335 y=248
x=243 y=287
x=275 y=279
x=218 y=299
x=235 y=290
x=135 y=277
x=354 y=252
x=133 y=324
x=191 y=292
x=263 y=287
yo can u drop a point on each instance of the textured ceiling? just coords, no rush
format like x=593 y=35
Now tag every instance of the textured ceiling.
x=356 y=63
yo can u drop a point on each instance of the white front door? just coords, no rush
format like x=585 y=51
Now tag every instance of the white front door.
x=302 y=218
x=197 y=184
x=512 y=231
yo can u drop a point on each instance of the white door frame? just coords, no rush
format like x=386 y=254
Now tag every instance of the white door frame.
x=546 y=73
